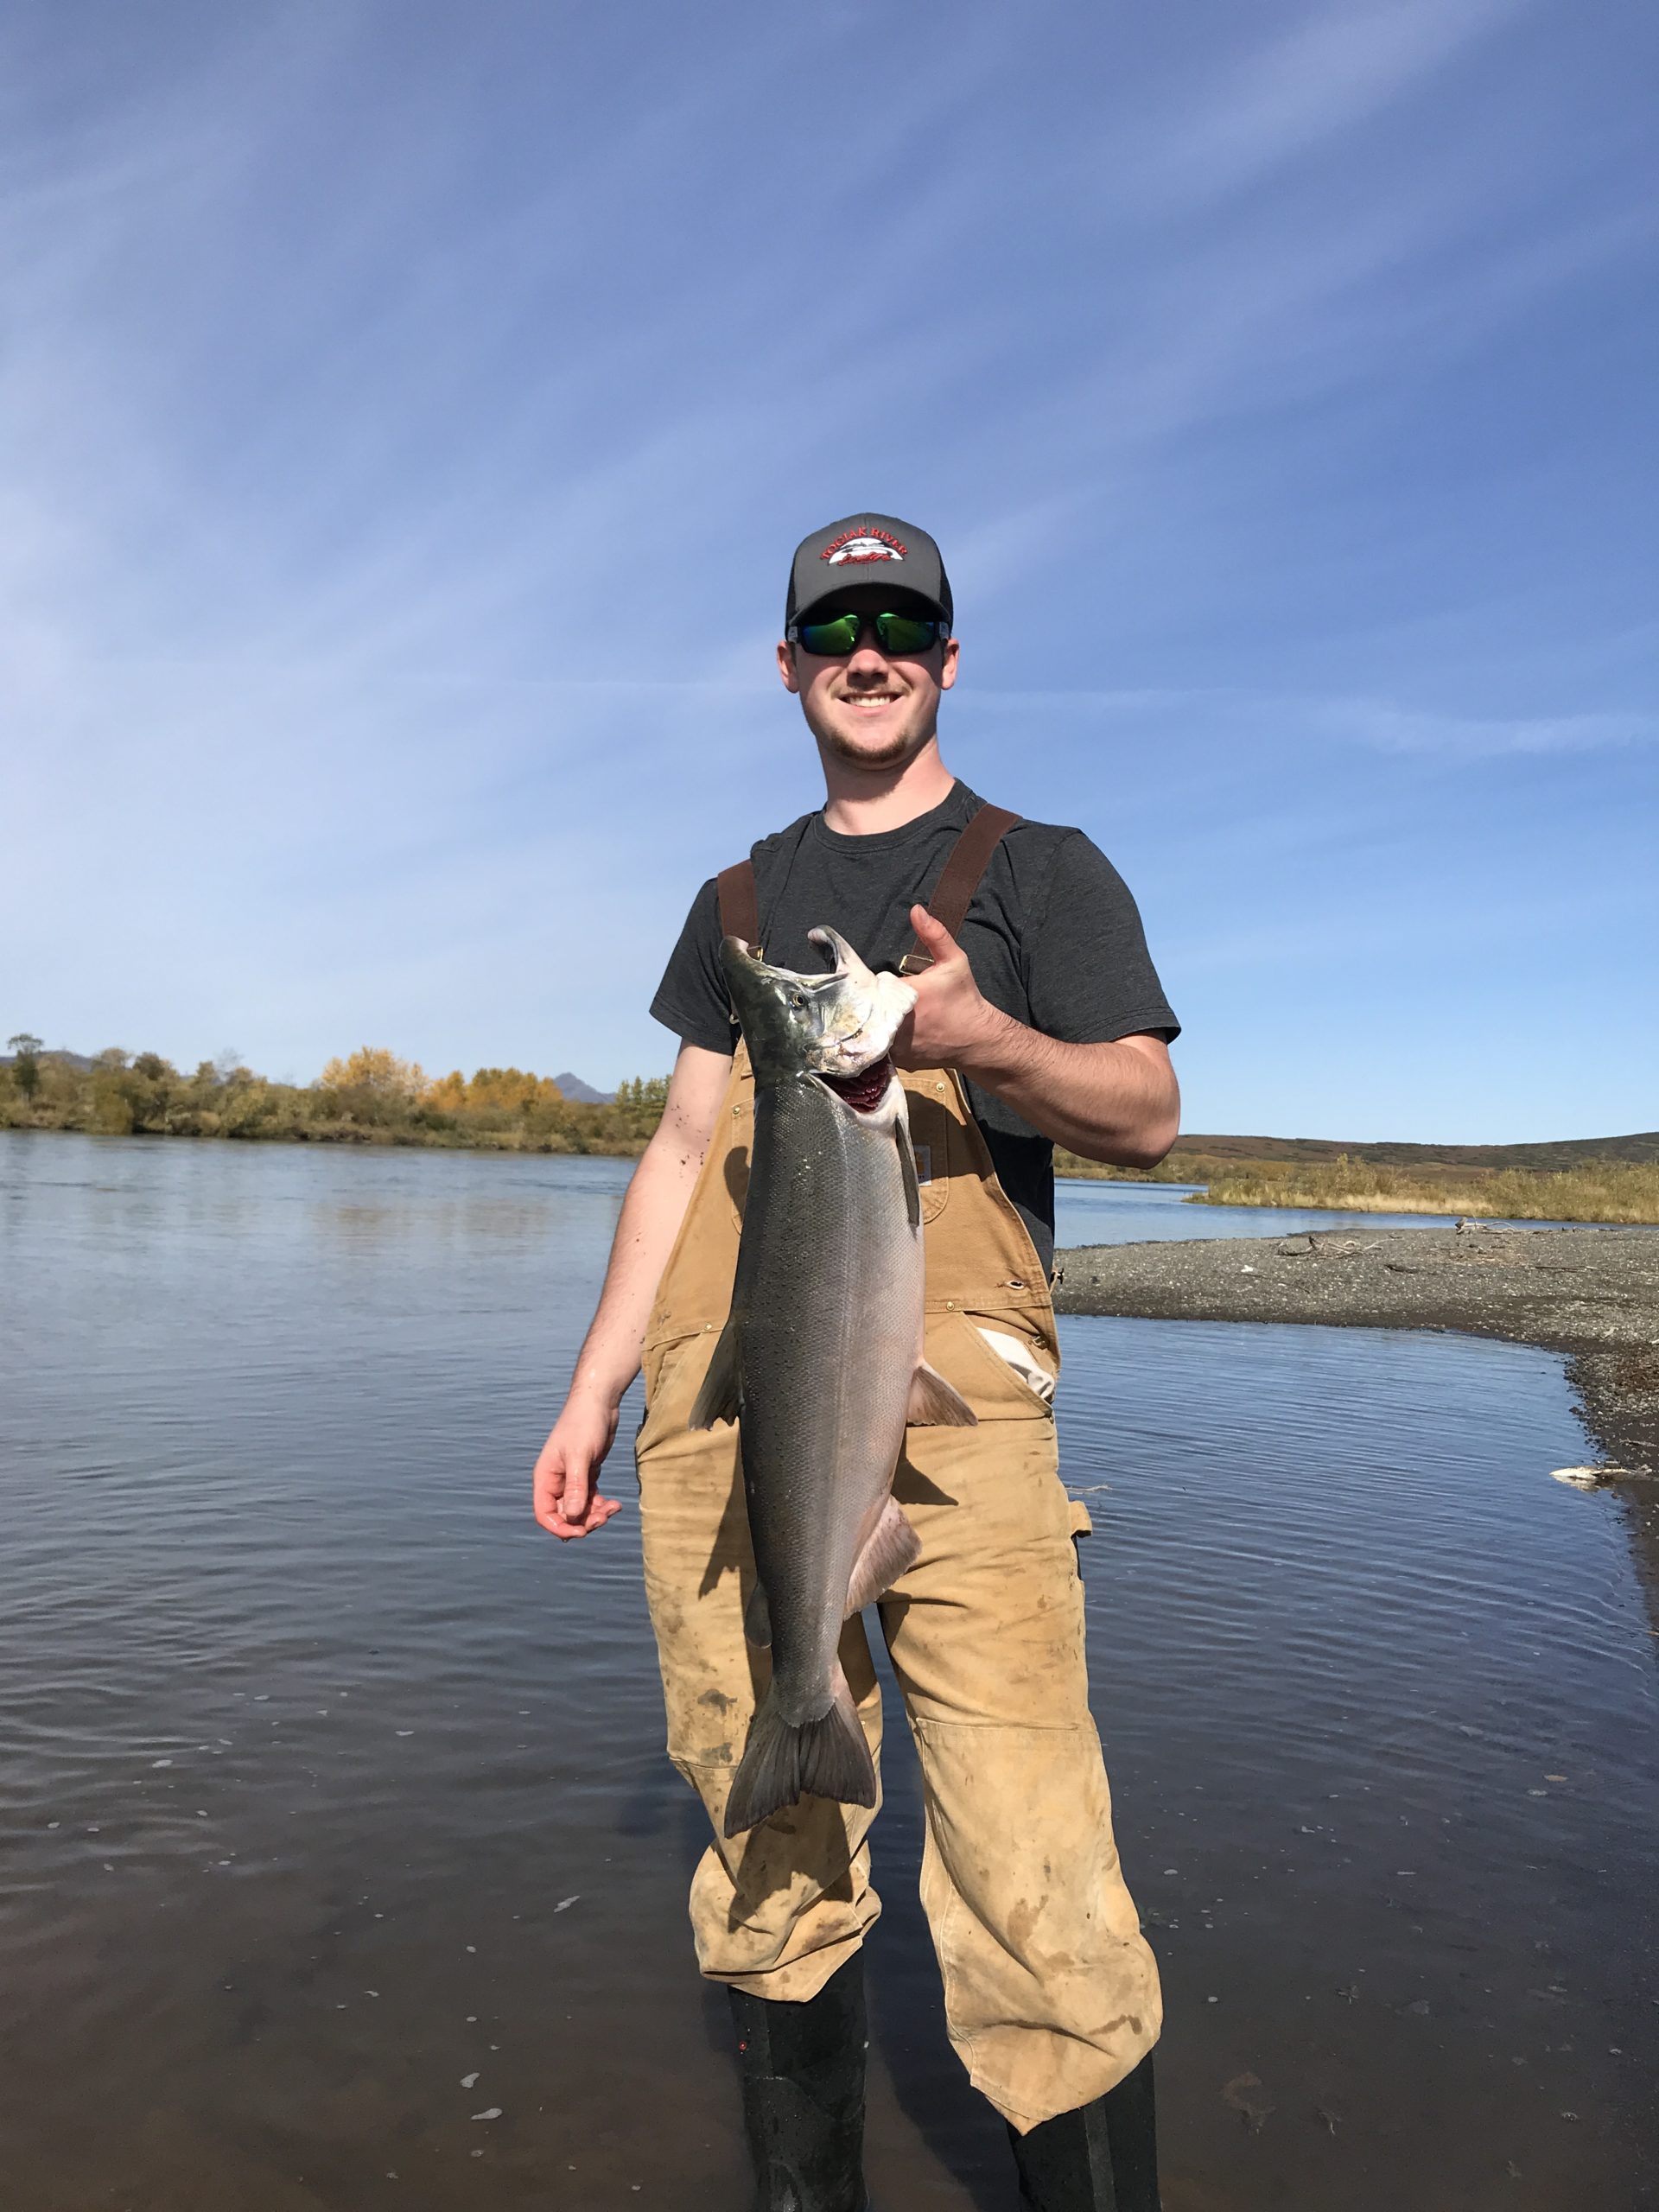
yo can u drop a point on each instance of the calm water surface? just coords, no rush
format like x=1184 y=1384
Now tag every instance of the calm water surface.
x=1152 y=1213
x=339 y=1866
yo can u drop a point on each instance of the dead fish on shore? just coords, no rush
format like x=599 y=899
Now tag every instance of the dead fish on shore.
x=821 y=1362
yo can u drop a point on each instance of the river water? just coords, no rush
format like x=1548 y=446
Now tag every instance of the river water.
x=339 y=1866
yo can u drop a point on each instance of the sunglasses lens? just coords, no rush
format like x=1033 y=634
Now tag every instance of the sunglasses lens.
x=830 y=638
x=905 y=634
x=895 y=633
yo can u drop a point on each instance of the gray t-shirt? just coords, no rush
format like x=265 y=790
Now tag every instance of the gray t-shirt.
x=1052 y=935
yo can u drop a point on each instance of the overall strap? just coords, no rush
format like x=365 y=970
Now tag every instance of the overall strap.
x=740 y=907
x=967 y=861
x=959 y=878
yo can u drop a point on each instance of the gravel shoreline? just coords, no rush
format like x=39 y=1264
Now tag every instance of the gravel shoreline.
x=1590 y=1293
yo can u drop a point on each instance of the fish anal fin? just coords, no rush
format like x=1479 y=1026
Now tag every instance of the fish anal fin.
x=757 y=1618
x=721 y=1395
x=891 y=1547
x=935 y=1404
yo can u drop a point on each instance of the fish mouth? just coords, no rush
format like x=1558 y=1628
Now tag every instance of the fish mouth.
x=871 y=1009
x=864 y=1091
x=838 y=1024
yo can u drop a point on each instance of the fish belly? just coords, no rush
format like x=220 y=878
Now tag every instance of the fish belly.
x=829 y=1307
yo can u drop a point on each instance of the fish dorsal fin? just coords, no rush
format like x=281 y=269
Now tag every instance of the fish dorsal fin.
x=893 y=1546
x=757 y=1618
x=721 y=1395
x=935 y=1404
x=907 y=1170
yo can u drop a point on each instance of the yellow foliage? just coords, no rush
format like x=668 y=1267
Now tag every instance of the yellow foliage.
x=448 y=1092
x=369 y=1098
x=495 y=1090
x=374 y=1068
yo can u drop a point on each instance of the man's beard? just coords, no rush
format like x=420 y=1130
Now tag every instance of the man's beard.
x=897 y=749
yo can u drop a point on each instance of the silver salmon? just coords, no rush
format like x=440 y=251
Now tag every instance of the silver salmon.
x=821 y=1362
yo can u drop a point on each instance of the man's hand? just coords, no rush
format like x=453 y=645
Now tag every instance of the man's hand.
x=568 y=1502
x=1113 y=1100
x=952 y=1023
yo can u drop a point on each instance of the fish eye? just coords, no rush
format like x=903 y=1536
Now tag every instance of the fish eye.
x=797 y=998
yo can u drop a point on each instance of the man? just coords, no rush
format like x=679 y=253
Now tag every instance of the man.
x=1038 y=1018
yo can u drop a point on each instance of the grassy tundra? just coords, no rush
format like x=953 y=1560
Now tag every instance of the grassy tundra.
x=1591 y=1189
x=1624 y=1190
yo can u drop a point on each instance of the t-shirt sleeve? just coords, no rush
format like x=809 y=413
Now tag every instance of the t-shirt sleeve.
x=692 y=999
x=1090 y=976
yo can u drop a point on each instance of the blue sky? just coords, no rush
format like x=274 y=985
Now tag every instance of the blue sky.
x=407 y=412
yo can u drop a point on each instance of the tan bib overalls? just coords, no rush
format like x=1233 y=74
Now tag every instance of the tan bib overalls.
x=1050 y=1992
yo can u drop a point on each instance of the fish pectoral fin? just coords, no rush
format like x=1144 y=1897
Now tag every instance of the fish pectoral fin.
x=935 y=1404
x=721 y=1395
x=757 y=1618
x=893 y=1546
x=908 y=1173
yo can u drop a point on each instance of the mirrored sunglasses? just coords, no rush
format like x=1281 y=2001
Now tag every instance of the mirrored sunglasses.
x=894 y=634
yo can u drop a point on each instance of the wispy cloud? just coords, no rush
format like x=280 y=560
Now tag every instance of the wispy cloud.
x=409 y=424
x=1293 y=719
x=1322 y=75
x=1489 y=736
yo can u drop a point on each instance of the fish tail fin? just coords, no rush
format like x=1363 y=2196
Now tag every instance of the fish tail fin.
x=826 y=1757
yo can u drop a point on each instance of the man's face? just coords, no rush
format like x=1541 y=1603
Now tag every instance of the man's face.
x=873 y=709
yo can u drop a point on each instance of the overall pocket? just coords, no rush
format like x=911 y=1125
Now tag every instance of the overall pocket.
x=934 y=1139
x=992 y=1384
x=674 y=1368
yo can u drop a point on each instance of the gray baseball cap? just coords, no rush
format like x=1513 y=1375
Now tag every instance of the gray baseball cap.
x=865 y=548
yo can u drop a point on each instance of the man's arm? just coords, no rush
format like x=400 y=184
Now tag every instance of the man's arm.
x=1113 y=1102
x=567 y=1501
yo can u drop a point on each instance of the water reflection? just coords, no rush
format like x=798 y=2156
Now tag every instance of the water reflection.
x=333 y=1812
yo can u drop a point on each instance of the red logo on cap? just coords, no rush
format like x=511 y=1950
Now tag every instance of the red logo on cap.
x=854 y=545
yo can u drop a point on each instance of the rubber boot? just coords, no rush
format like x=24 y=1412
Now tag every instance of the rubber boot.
x=802 y=2070
x=1103 y=2157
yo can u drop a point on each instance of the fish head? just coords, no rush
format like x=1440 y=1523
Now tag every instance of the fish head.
x=834 y=1025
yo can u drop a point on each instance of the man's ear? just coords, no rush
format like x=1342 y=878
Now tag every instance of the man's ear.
x=786 y=665
x=948 y=654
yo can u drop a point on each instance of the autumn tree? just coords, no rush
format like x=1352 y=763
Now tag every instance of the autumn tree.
x=374 y=1069
x=26 y=1064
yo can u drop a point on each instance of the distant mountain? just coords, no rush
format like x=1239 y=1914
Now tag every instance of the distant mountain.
x=582 y=1094
x=53 y=1052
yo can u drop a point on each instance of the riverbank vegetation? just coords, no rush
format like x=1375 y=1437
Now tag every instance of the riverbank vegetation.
x=1597 y=1188
x=1604 y=1190
x=371 y=1097
x=1179 y=1167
